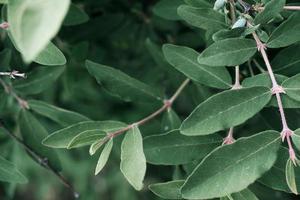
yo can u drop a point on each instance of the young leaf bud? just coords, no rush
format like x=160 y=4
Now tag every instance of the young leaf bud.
x=219 y=4
x=241 y=22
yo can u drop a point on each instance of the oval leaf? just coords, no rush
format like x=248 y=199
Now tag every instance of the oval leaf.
x=173 y=148
x=286 y=33
x=167 y=9
x=290 y=176
x=51 y=56
x=133 y=161
x=29 y=32
x=271 y=10
x=229 y=52
x=184 y=59
x=75 y=16
x=205 y=18
x=59 y=115
x=38 y=80
x=104 y=156
x=122 y=85
x=244 y=161
x=225 y=110
x=33 y=133
x=292 y=87
x=63 y=137
x=9 y=173
x=168 y=190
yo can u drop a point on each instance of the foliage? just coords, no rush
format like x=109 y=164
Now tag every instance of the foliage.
x=158 y=99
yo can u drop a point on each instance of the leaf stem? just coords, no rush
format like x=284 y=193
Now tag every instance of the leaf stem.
x=167 y=104
x=277 y=90
x=40 y=160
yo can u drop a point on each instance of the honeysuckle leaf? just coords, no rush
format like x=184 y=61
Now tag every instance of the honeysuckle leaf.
x=265 y=81
x=38 y=80
x=5 y=59
x=275 y=178
x=286 y=62
x=296 y=138
x=9 y=173
x=29 y=32
x=167 y=190
x=51 y=56
x=173 y=148
x=243 y=161
x=228 y=52
x=59 y=115
x=122 y=85
x=133 y=161
x=3 y=1
x=199 y=3
x=286 y=33
x=271 y=10
x=225 y=34
x=33 y=132
x=167 y=9
x=292 y=87
x=184 y=59
x=104 y=156
x=63 y=137
x=225 y=110
x=290 y=176
x=245 y=194
x=205 y=18
x=75 y=16
x=170 y=121
x=87 y=138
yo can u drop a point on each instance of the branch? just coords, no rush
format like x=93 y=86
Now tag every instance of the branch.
x=167 y=104
x=40 y=160
x=8 y=89
x=284 y=7
x=13 y=74
x=276 y=90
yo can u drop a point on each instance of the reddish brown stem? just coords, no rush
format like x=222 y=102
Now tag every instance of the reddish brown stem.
x=167 y=104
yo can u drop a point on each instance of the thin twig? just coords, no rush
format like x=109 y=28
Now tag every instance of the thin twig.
x=13 y=74
x=284 y=7
x=167 y=104
x=277 y=91
x=8 y=89
x=42 y=161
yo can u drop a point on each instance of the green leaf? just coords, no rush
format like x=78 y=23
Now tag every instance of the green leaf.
x=167 y=9
x=290 y=176
x=133 y=161
x=59 y=115
x=63 y=137
x=271 y=10
x=33 y=133
x=75 y=16
x=38 y=80
x=287 y=61
x=9 y=173
x=296 y=138
x=229 y=52
x=184 y=59
x=86 y=138
x=104 y=156
x=199 y=3
x=3 y=1
x=245 y=194
x=225 y=34
x=96 y=145
x=34 y=23
x=292 y=87
x=243 y=161
x=225 y=110
x=170 y=121
x=122 y=85
x=286 y=33
x=51 y=56
x=168 y=190
x=205 y=18
x=275 y=178
x=173 y=148
x=5 y=58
